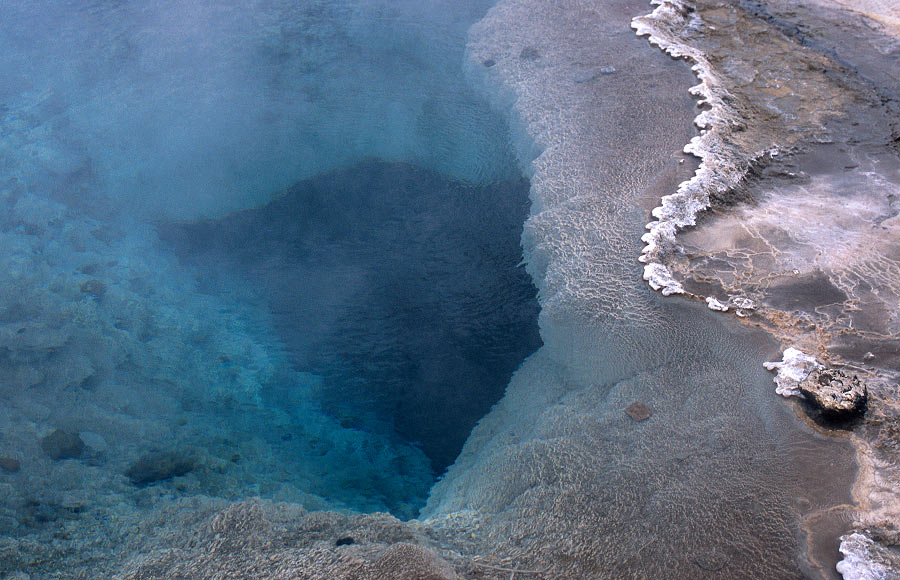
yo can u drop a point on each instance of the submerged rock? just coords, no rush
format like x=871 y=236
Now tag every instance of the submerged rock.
x=153 y=467
x=529 y=53
x=836 y=393
x=95 y=288
x=44 y=508
x=9 y=465
x=346 y=541
x=95 y=442
x=62 y=445
x=638 y=411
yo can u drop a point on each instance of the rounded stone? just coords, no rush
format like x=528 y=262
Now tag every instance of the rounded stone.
x=9 y=465
x=62 y=445
x=836 y=393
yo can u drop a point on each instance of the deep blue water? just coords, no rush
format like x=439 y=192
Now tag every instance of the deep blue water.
x=402 y=288
x=334 y=336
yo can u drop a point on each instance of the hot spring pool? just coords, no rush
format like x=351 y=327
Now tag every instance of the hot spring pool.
x=369 y=256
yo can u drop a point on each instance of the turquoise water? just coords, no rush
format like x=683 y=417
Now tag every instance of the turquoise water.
x=402 y=289
x=198 y=108
x=339 y=352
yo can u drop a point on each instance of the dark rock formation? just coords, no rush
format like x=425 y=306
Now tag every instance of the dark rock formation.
x=529 y=53
x=95 y=288
x=839 y=395
x=346 y=541
x=62 y=445
x=9 y=465
x=153 y=467
x=638 y=411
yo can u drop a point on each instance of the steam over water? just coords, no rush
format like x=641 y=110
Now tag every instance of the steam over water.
x=298 y=366
x=196 y=108
x=285 y=250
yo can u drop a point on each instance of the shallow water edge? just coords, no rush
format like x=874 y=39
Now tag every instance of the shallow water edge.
x=802 y=241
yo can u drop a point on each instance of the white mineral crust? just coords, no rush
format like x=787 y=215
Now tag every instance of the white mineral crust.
x=793 y=368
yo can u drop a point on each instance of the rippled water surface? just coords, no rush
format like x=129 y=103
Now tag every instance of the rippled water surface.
x=404 y=291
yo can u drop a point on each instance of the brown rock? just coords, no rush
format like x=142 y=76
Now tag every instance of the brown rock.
x=839 y=395
x=62 y=445
x=9 y=465
x=638 y=411
x=153 y=467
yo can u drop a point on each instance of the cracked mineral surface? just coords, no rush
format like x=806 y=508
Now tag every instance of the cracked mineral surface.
x=802 y=106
